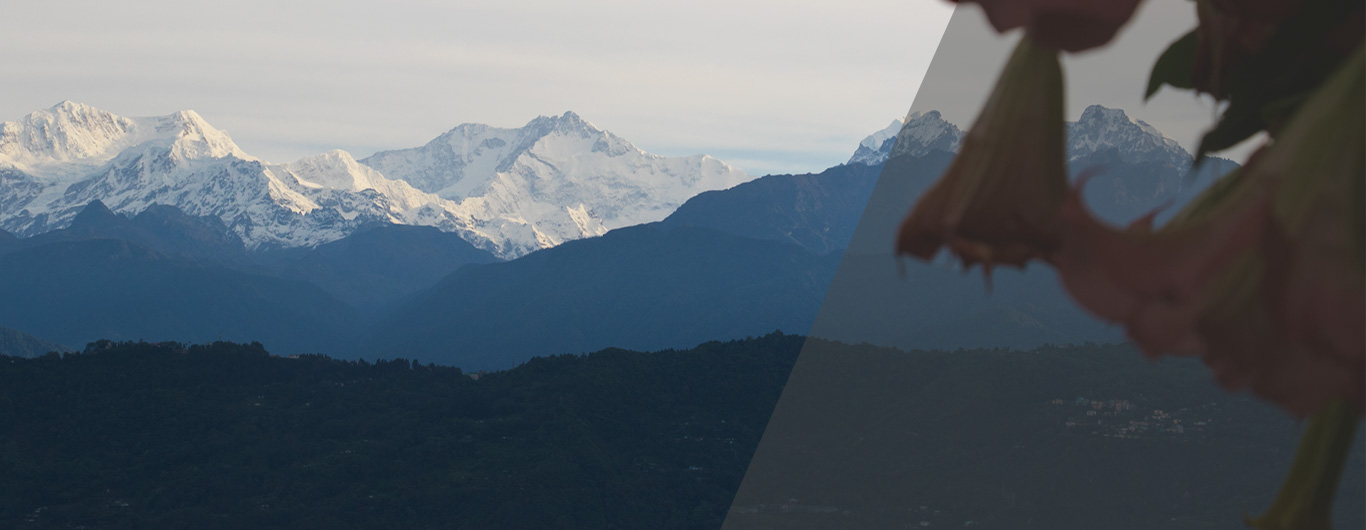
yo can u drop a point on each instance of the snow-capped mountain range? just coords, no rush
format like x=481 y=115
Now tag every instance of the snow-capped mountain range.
x=563 y=176
x=1098 y=130
x=509 y=191
x=917 y=135
x=1135 y=141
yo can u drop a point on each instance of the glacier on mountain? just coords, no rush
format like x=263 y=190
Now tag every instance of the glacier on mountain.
x=919 y=134
x=1097 y=131
x=508 y=191
x=1102 y=129
x=559 y=174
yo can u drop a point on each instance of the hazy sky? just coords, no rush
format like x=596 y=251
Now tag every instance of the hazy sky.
x=970 y=57
x=770 y=86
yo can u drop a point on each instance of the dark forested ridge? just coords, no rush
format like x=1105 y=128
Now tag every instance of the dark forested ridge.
x=135 y=435
x=138 y=436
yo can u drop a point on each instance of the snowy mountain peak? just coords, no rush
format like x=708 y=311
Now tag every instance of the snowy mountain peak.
x=193 y=138
x=925 y=132
x=68 y=131
x=874 y=148
x=70 y=139
x=555 y=179
x=1101 y=129
x=919 y=134
x=335 y=169
x=509 y=191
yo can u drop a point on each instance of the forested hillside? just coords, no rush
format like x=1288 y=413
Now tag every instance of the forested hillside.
x=137 y=435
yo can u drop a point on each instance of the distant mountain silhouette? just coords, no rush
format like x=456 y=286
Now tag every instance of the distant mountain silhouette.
x=75 y=292
x=163 y=229
x=374 y=268
x=816 y=211
x=726 y=264
x=646 y=287
x=19 y=344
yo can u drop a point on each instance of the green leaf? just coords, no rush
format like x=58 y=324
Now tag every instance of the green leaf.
x=1239 y=122
x=1242 y=120
x=1176 y=66
x=1305 y=501
x=1269 y=87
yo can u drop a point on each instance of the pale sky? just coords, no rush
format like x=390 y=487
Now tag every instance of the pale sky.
x=971 y=56
x=770 y=86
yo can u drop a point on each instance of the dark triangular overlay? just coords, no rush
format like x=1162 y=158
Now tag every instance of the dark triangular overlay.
x=922 y=400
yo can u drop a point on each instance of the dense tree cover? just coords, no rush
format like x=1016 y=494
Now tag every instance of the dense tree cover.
x=137 y=435
x=1057 y=438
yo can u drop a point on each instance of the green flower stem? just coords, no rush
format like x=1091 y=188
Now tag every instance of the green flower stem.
x=1306 y=499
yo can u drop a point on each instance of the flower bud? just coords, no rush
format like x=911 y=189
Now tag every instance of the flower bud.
x=998 y=201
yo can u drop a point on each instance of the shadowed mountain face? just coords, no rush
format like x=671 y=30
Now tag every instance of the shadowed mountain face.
x=16 y=343
x=816 y=211
x=645 y=287
x=726 y=264
x=374 y=268
x=75 y=292
x=163 y=229
x=7 y=241
x=624 y=289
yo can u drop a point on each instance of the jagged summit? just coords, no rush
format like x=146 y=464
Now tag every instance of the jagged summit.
x=925 y=132
x=554 y=179
x=1101 y=129
x=874 y=148
x=71 y=138
x=94 y=214
x=457 y=163
x=508 y=191
x=919 y=134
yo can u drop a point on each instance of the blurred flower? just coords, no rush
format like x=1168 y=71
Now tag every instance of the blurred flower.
x=1264 y=275
x=1155 y=282
x=1315 y=247
x=1305 y=501
x=1067 y=25
x=997 y=203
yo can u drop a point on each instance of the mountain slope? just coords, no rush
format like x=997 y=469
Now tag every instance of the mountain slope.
x=555 y=179
x=16 y=343
x=163 y=229
x=56 y=161
x=516 y=191
x=74 y=292
x=816 y=211
x=645 y=287
x=625 y=288
x=920 y=134
x=375 y=267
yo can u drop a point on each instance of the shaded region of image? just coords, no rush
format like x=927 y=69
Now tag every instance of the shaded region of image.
x=928 y=398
